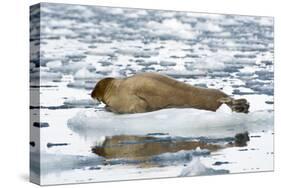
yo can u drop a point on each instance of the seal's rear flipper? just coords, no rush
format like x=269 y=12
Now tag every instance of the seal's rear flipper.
x=240 y=105
x=236 y=105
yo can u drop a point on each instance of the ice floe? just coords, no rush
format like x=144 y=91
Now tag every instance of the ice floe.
x=211 y=63
x=208 y=26
x=84 y=73
x=176 y=122
x=54 y=64
x=172 y=28
x=196 y=168
x=83 y=84
x=80 y=102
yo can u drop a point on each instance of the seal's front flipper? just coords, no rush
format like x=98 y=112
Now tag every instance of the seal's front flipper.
x=108 y=108
x=136 y=104
x=236 y=105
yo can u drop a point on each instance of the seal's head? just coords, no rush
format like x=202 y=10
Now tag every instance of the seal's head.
x=100 y=89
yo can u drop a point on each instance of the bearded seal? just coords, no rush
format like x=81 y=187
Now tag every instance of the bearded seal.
x=145 y=92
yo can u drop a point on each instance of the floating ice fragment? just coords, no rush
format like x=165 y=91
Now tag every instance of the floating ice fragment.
x=83 y=84
x=80 y=102
x=196 y=168
x=172 y=28
x=208 y=26
x=70 y=68
x=54 y=64
x=84 y=73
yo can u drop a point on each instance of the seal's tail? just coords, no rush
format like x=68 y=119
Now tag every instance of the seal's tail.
x=237 y=105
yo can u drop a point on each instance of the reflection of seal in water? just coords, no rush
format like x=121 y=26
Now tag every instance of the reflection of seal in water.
x=146 y=92
x=143 y=147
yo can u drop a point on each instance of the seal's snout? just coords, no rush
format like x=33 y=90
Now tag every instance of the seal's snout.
x=101 y=88
x=93 y=94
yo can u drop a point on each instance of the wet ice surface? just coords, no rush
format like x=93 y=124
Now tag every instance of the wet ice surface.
x=80 y=45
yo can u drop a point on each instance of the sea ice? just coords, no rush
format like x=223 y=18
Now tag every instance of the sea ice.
x=171 y=27
x=208 y=26
x=196 y=168
x=50 y=162
x=45 y=75
x=84 y=73
x=176 y=122
x=184 y=73
x=80 y=102
x=54 y=64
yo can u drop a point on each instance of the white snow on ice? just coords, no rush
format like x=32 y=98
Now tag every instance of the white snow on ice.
x=176 y=122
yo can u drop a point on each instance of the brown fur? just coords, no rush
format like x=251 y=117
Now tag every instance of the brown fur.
x=150 y=91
